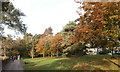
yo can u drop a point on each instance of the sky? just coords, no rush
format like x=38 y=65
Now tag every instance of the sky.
x=41 y=14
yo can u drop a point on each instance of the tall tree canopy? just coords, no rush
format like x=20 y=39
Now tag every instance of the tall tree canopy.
x=11 y=17
x=68 y=32
x=101 y=22
x=55 y=44
x=43 y=44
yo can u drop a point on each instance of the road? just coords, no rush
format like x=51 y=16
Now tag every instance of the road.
x=13 y=66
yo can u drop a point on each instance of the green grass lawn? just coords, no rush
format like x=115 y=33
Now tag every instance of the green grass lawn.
x=70 y=63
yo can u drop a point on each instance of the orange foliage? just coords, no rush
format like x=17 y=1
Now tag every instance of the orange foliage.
x=99 y=22
x=55 y=42
x=40 y=46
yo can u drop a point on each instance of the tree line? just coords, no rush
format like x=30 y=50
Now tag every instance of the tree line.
x=99 y=27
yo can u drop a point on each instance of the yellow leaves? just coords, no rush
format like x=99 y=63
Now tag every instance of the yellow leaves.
x=44 y=50
x=111 y=34
x=86 y=31
x=80 y=41
x=40 y=45
x=37 y=50
x=105 y=8
x=103 y=17
x=103 y=4
x=117 y=11
x=104 y=26
x=103 y=22
x=111 y=17
x=114 y=16
x=117 y=22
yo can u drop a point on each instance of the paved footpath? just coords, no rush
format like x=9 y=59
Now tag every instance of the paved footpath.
x=16 y=66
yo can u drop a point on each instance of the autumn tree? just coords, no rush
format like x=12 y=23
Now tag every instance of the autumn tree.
x=55 y=44
x=7 y=44
x=34 y=41
x=99 y=23
x=43 y=45
x=24 y=46
x=40 y=46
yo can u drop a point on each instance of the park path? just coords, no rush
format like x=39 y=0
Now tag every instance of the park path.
x=16 y=65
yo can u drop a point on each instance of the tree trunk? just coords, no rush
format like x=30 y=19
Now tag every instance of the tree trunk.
x=44 y=54
x=97 y=51
x=32 y=56
x=32 y=51
x=51 y=54
x=48 y=54
x=4 y=51
x=57 y=52
x=112 y=54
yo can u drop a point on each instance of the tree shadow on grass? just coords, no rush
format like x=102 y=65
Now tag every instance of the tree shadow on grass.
x=52 y=66
x=68 y=64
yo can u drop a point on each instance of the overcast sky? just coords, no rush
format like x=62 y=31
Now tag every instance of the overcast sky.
x=41 y=14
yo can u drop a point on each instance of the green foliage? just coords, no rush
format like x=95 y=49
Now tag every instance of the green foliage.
x=69 y=28
x=46 y=45
x=11 y=17
x=76 y=49
x=68 y=32
x=36 y=38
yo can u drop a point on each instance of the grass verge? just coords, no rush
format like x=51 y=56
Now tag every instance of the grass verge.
x=87 y=62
